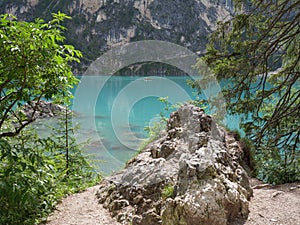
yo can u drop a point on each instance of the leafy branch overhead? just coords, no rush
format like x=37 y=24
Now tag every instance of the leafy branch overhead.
x=258 y=53
x=34 y=64
x=35 y=172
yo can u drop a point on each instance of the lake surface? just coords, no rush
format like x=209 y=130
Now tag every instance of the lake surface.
x=112 y=112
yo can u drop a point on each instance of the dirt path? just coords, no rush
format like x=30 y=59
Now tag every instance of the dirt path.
x=275 y=205
x=81 y=209
x=270 y=205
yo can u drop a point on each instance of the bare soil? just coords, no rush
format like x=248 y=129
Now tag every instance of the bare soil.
x=273 y=204
x=81 y=209
x=270 y=205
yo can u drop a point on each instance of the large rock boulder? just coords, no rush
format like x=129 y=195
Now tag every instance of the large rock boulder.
x=193 y=174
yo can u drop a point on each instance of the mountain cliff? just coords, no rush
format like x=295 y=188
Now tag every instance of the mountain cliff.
x=99 y=25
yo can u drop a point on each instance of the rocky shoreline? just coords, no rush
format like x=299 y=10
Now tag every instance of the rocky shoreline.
x=42 y=110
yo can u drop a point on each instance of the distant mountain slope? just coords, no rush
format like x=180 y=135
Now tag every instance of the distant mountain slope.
x=99 y=25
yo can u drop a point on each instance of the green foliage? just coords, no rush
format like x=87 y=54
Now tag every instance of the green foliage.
x=257 y=52
x=33 y=65
x=168 y=191
x=153 y=133
x=36 y=172
x=201 y=103
x=249 y=155
x=34 y=176
x=167 y=107
x=28 y=182
x=157 y=127
x=276 y=166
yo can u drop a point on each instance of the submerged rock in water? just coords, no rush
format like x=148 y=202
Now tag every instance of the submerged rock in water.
x=192 y=175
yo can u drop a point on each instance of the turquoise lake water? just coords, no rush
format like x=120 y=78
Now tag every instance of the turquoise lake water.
x=112 y=112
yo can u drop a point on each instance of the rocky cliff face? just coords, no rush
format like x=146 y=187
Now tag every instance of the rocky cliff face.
x=99 y=25
x=192 y=175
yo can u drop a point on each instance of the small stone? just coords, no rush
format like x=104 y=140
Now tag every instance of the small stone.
x=118 y=204
x=260 y=186
x=277 y=193
x=148 y=201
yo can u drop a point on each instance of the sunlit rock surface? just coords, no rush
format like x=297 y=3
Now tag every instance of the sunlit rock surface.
x=192 y=175
x=99 y=25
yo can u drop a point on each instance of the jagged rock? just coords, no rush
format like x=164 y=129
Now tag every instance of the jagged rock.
x=192 y=175
x=100 y=25
x=42 y=110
